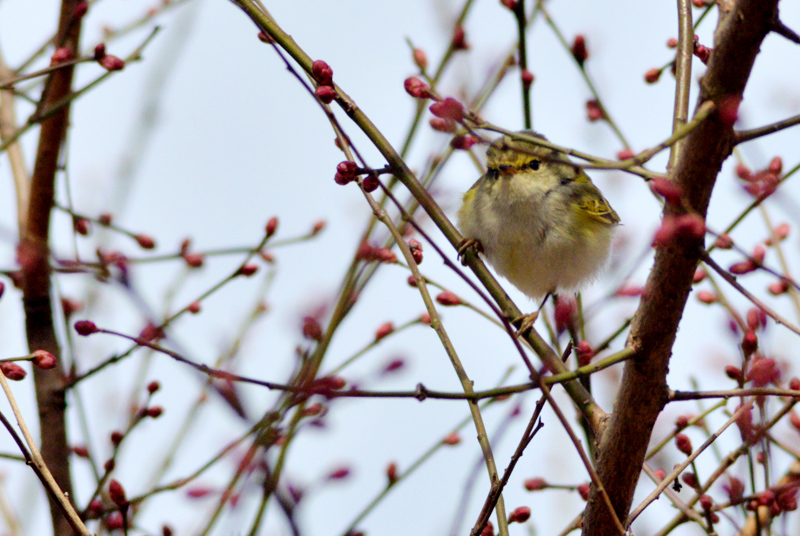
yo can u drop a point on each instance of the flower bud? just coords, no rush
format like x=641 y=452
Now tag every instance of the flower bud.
x=594 y=111
x=578 y=49
x=44 y=360
x=448 y=298
x=683 y=443
x=111 y=63
x=583 y=491
x=417 y=88
x=459 y=41
x=12 y=371
x=448 y=108
x=117 y=493
x=520 y=515
x=420 y=59
x=527 y=78
x=535 y=484
x=383 y=330
x=85 y=327
x=452 y=439
x=145 y=241
x=325 y=94
x=322 y=72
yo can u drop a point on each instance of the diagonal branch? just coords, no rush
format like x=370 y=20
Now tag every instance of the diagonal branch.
x=742 y=27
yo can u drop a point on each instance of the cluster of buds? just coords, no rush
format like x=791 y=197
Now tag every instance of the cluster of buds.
x=193 y=260
x=107 y=61
x=762 y=183
x=685 y=226
x=323 y=74
x=369 y=253
x=777 y=499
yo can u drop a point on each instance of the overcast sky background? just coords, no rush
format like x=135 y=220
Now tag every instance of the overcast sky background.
x=238 y=141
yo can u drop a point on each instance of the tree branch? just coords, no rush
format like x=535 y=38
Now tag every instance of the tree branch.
x=742 y=27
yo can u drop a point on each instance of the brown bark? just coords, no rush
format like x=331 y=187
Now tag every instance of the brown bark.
x=34 y=259
x=742 y=27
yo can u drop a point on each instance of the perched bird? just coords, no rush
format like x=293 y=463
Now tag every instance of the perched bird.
x=537 y=217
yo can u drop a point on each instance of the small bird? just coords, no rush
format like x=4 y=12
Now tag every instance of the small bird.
x=537 y=217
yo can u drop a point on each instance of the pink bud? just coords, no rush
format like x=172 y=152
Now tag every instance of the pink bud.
x=417 y=88
x=535 y=484
x=583 y=491
x=85 y=327
x=416 y=250
x=194 y=307
x=153 y=386
x=325 y=94
x=318 y=227
x=311 y=328
x=744 y=172
x=425 y=318
x=463 y=142
x=683 y=443
x=80 y=10
x=750 y=345
x=193 y=260
x=448 y=108
x=111 y=63
x=578 y=49
x=744 y=267
x=625 y=154
x=667 y=189
x=520 y=515
x=443 y=125
x=44 y=360
x=264 y=38
x=385 y=329
x=391 y=473
x=247 y=269
x=723 y=241
x=420 y=59
x=690 y=479
x=699 y=275
x=584 y=353
x=763 y=371
x=339 y=474
x=672 y=42
x=594 y=111
x=728 y=109
x=81 y=226
x=12 y=371
x=155 y=412
x=370 y=183
x=448 y=298
x=322 y=72
x=527 y=78
x=60 y=56
x=145 y=241
x=779 y=287
x=775 y=165
x=272 y=226
x=117 y=493
x=734 y=373
x=459 y=41
x=707 y=297
x=100 y=51
x=452 y=439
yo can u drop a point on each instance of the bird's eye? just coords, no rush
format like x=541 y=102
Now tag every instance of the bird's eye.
x=492 y=173
x=534 y=164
